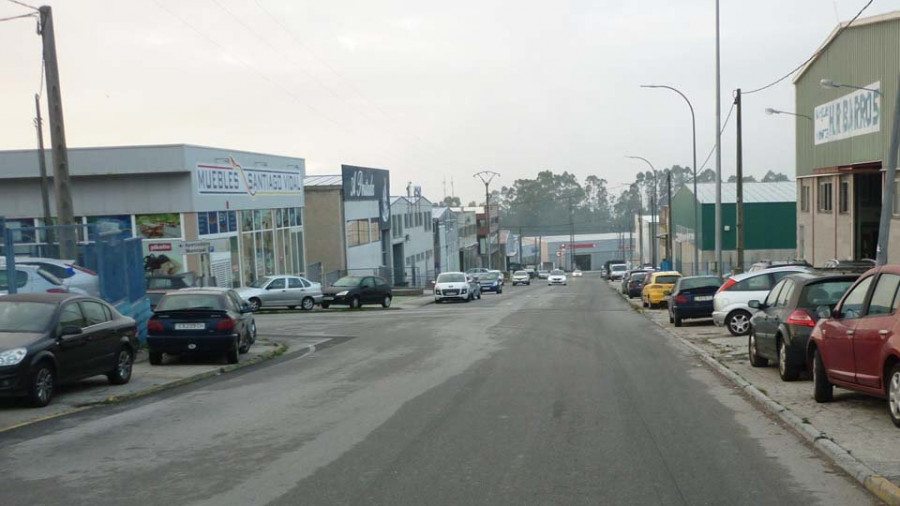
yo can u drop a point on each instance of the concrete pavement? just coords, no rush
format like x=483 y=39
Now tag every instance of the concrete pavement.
x=542 y=395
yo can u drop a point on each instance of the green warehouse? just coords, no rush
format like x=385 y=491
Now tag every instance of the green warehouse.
x=770 y=224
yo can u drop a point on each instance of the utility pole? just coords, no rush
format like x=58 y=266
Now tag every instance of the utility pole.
x=739 y=189
x=521 y=259
x=670 y=234
x=654 y=222
x=486 y=176
x=64 y=206
x=887 y=200
x=571 y=234
x=640 y=225
x=718 y=269
x=42 y=163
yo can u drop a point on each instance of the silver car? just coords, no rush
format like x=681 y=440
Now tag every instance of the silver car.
x=730 y=304
x=282 y=291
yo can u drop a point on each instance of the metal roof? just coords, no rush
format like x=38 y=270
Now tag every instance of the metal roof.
x=323 y=180
x=754 y=193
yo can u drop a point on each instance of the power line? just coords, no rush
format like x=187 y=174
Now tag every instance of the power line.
x=811 y=58
x=20 y=16
x=713 y=150
x=23 y=4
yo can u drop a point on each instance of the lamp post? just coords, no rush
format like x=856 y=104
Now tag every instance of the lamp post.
x=652 y=208
x=486 y=176
x=696 y=200
x=771 y=112
x=831 y=83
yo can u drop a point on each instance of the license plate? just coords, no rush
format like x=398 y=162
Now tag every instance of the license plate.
x=327 y=298
x=703 y=298
x=451 y=292
x=190 y=326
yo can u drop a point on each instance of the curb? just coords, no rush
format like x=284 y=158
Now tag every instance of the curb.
x=878 y=485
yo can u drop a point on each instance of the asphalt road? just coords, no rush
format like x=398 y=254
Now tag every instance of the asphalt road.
x=542 y=395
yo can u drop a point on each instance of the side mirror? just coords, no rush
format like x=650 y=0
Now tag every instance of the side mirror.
x=754 y=304
x=824 y=312
x=70 y=330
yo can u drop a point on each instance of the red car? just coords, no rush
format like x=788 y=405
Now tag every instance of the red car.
x=858 y=346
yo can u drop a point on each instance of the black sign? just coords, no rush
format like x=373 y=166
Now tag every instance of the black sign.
x=361 y=183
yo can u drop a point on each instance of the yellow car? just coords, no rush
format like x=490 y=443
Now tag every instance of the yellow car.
x=657 y=287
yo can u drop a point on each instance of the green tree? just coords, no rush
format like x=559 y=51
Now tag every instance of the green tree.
x=772 y=177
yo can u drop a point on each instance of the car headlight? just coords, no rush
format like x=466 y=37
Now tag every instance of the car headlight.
x=12 y=357
x=464 y=290
x=341 y=294
x=437 y=292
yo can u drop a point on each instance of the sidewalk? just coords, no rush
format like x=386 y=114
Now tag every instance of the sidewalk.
x=406 y=302
x=145 y=380
x=858 y=425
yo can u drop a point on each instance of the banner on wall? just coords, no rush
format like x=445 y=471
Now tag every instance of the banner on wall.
x=232 y=178
x=853 y=114
x=363 y=183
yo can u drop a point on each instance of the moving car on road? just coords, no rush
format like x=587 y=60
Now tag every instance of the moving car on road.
x=616 y=271
x=490 y=282
x=557 y=277
x=454 y=286
x=284 y=291
x=658 y=286
x=730 y=304
x=542 y=274
x=577 y=273
x=858 y=346
x=48 y=339
x=521 y=277
x=201 y=320
x=356 y=291
x=692 y=297
x=781 y=327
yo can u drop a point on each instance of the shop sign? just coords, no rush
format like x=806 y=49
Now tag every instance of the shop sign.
x=856 y=113
x=362 y=183
x=234 y=179
x=196 y=247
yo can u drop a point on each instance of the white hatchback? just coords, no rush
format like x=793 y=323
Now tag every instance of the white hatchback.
x=31 y=279
x=731 y=303
x=557 y=277
x=76 y=278
x=453 y=286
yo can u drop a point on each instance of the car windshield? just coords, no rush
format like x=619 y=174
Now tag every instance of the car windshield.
x=690 y=283
x=619 y=268
x=199 y=301
x=825 y=293
x=489 y=276
x=521 y=273
x=556 y=272
x=666 y=279
x=452 y=277
x=17 y=316
x=348 y=281
x=259 y=283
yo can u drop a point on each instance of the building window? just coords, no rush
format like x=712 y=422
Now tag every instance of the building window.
x=826 y=196
x=804 y=197
x=375 y=229
x=844 y=196
x=358 y=232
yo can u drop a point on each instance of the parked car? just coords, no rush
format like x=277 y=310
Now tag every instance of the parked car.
x=857 y=346
x=730 y=304
x=201 y=320
x=781 y=328
x=521 y=277
x=692 y=297
x=616 y=271
x=635 y=284
x=626 y=278
x=768 y=264
x=542 y=274
x=557 y=277
x=862 y=264
x=47 y=339
x=603 y=273
x=356 y=291
x=577 y=273
x=173 y=282
x=453 y=286
x=490 y=282
x=74 y=277
x=32 y=279
x=658 y=286
x=282 y=291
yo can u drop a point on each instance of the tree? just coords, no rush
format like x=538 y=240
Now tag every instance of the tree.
x=747 y=179
x=450 y=202
x=772 y=177
x=472 y=203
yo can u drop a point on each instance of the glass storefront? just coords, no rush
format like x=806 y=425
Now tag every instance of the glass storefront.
x=271 y=243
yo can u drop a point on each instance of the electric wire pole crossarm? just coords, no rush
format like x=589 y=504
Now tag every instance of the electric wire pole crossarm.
x=486 y=176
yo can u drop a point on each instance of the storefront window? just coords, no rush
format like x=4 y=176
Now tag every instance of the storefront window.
x=235 y=262
x=292 y=217
x=110 y=226
x=297 y=246
x=282 y=250
x=23 y=230
x=257 y=220
x=246 y=221
x=269 y=251
x=375 y=230
x=159 y=226
x=266 y=217
x=247 y=253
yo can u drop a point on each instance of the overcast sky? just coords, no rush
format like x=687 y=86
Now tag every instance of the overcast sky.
x=432 y=91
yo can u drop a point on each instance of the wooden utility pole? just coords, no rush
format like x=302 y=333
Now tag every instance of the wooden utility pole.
x=64 y=207
x=42 y=164
x=739 y=189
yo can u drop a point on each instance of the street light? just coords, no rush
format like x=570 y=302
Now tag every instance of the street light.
x=831 y=83
x=696 y=199
x=486 y=176
x=652 y=208
x=771 y=111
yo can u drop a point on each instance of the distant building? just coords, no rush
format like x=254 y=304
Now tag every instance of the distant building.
x=446 y=239
x=586 y=252
x=412 y=241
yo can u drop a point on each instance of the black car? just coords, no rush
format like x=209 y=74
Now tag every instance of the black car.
x=201 y=320
x=692 y=297
x=47 y=339
x=781 y=328
x=355 y=291
x=632 y=288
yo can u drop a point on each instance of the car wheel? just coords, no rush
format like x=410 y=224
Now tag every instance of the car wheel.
x=755 y=359
x=893 y=382
x=671 y=319
x=787 y=371
x=354 y=303
x=41 y=384
x=325 y=305
x=255 y=304
x=156 y=357
x=232 y=356
x=124 y=365
x=307 y=304
x=253 y=332
x=386 y=303
x=823 y=390
x=479 y=296
x=677 y=321
x=245 y=347
x=738 y=323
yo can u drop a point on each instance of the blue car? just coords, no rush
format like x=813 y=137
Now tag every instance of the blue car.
x=692 y=297
x=491 y=282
